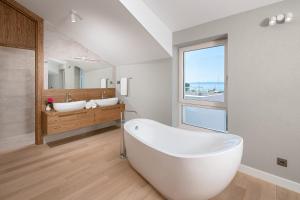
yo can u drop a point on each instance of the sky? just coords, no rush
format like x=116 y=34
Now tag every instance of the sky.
x=204 y=65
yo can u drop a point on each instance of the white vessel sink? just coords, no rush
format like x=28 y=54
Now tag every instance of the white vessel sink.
x=107 y=102
x=69 y=106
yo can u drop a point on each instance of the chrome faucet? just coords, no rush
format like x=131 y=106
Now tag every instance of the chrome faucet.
x=103 y=94
x=68 y=97
x=123 y=154
x=130 y=111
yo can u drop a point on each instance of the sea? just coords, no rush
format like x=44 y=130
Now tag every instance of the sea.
x=205 y=86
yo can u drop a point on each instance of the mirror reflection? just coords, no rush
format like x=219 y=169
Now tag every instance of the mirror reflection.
x=77 y=74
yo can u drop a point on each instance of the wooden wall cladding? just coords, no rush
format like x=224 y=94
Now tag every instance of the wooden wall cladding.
x=17 y=30
x=59 y=95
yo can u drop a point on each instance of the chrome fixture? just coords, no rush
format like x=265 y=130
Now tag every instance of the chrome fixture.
x=280 y=19
x=103 y=93
x=68 y=97
x=131 y=111
x=75 y=17
x=122 y=143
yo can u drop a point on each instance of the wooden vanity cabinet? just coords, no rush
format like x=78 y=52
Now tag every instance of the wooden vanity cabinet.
x=58 y=122
x=106 y=115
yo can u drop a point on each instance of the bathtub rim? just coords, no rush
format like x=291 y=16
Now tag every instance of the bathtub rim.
x=182 y=156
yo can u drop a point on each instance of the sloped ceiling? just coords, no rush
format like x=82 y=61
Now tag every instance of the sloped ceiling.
x=151 y=22
x=107 y=29
x=182 y=14
x=60 y=47
x=133 y=31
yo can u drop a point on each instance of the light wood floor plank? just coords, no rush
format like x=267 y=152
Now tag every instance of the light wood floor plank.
x=88 y=167
x=283 y=194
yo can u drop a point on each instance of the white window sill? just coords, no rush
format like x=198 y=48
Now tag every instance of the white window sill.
x=193 y=128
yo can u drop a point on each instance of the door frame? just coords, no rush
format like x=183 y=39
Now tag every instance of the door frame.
x=39 y=63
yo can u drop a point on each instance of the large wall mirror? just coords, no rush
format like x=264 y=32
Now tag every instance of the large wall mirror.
x=73 y=74
x=69 y=65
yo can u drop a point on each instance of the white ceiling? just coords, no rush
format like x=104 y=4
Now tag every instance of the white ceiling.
x=60 y=47
x=113 y=33
x=55 y=45
x=107 y=29
x=182 y=14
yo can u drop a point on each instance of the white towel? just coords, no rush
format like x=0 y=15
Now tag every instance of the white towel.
x=90 y=104
x=94 y=105
x=103 y=83
x=124 y=87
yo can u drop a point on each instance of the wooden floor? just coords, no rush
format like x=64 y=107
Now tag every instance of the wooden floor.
x=88 y=167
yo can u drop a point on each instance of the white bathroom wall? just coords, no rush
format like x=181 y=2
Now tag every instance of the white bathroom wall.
x=92 y=78
x=52 y=70
x=149 y=89
x=53 y=67
x=70 y=77
x=263 y=84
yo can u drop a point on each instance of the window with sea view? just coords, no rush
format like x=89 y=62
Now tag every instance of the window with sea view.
x=204 y=74
x=203 y=85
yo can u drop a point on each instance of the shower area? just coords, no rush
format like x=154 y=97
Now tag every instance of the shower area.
x=21 y=67
x=17 y=83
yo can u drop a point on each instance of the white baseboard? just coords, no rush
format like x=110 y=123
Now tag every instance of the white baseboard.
x=276 y=180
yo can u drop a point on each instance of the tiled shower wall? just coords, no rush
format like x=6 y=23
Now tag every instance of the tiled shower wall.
x=17 y=82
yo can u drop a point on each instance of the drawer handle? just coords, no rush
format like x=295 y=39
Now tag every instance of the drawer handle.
x=68 y=115
x=116 y=109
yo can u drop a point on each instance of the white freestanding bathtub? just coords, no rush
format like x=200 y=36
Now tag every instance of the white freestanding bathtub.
x=181 y=164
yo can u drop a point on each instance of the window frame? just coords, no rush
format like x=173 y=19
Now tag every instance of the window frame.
x=201 y=103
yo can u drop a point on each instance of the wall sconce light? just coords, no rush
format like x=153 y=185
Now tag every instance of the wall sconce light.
x=280 y=19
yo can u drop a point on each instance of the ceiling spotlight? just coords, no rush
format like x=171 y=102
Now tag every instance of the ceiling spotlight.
x=280 y=18
x=272 y=21
x=74 y=16
x=288 y=17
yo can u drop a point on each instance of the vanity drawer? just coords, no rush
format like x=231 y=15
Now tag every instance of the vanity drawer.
x=86 y=119
x=53 y=129
x=68 y=117
x=70 y=122
x=58 y=122
x=106 y=115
